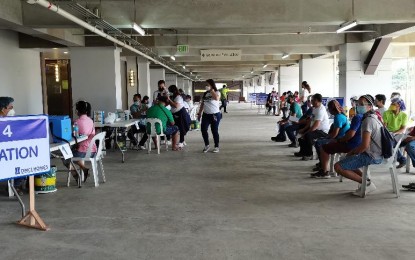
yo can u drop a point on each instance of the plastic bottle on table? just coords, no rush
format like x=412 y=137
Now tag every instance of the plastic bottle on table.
x=75 y=130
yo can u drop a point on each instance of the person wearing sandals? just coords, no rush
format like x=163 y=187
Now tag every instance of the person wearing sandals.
x=86 y=127
x=160 y=111
x=180 y=115
x=210 y=114
x=6 y=109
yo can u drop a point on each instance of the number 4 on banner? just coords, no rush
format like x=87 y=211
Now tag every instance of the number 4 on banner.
x=7 y=131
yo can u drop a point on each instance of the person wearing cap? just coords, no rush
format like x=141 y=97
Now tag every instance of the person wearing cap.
x=395 y=121
x=370 y=149
x=295 y=115
x=352 y=111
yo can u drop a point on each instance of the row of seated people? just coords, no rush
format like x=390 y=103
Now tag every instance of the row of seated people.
x=359 y=139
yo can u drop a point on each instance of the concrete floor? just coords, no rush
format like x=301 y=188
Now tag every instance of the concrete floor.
x=253 y=200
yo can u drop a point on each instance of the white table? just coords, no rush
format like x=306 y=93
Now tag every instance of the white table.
x=116 y=125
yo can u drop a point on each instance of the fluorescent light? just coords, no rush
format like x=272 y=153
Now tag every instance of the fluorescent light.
x=184 y=67
x=346 y=26
x=65 y=52
x=191 y=73
x=265 y=66
x=252 y=72
x=138 y=29
x=285 y=55
x=172 y=57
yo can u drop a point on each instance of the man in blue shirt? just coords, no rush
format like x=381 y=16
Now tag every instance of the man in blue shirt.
x=345 y=144
x=295 y=113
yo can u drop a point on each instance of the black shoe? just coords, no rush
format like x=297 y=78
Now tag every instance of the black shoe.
x=298 y=154
x=280 y=140
x=401 y=165
x=410 y=186
x=316 y=169
x=274 y=138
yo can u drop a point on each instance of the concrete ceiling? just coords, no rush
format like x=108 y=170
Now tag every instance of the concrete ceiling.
x=262 y=29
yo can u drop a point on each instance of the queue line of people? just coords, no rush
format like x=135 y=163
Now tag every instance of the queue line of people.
x=359 y=138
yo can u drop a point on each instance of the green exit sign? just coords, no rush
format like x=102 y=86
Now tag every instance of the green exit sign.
x=183 y=48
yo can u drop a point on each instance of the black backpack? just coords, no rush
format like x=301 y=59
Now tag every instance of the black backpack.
x=387 y=140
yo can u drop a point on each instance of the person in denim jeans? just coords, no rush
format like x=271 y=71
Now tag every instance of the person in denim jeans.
x=369 y=151
x=211 y=115
x=409 y=144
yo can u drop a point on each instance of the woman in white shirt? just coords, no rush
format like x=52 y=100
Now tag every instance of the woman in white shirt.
x=180 y=115
x=305 y=94
x=211 y=115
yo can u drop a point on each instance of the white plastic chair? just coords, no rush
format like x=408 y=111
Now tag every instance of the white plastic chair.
x=94 y=160
x=193 y=112
x=389 y=163
x=153 y=133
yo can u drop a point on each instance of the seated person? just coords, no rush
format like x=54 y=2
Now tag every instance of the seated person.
x=161 y=112
x=395 y=121
x=86 y=127
x=136 y=111
x=337 y=130
x=380 y=103
x=319 y=128
x=345 y=144
x=409 y=144
x=295 y=112
x=144 y=106
x=369 y=151
x=295 y=127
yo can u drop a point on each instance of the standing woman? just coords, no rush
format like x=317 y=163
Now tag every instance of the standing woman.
x=209 y=109
x=180 y=115
x=305 y=93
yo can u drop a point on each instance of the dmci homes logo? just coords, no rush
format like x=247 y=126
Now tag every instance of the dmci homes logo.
x=17 y=171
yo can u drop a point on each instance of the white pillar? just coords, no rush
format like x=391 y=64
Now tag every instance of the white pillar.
x=144 y=77
x=131 y=90
x=156 y=74
x=288 y=78
x=96 y=77
x=353 y=82
x=187 y=87
x=320 y=74
x=171 y=79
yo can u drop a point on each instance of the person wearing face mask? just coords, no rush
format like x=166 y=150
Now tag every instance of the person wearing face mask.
x=137 y=112
x=370 y=149
x=352 y=111
x=295 y=114
x=210 y=114
x=180 y=115
x=395 y=121
x=161 y=91
x=144 y=106
x=7 y=109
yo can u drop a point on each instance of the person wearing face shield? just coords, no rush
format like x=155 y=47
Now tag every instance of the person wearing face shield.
x=6 y=109
x=395 y=121
x=370 y=149
x=210 y=114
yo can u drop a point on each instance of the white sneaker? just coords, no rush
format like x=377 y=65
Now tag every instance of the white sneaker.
x=369 y=188
x=215 y=150
x=168 y=142
x=206 y=149
x=184 y=143
x=180 y=145
x=141 y=147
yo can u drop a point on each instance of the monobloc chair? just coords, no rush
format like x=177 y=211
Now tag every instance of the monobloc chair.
x=94 y=160
x=389 y=163
x=153 y=133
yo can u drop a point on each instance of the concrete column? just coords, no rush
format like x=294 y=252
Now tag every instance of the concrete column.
x=156 y=74
x=171 y=79
x=187 y=87
x=353 y=82
x=131 y=90
x=288 y=78
x=96 y=77
x=180 y=84
x=320 y=74
x=144 y=77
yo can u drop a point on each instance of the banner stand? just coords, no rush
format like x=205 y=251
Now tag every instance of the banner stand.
x=32 y=219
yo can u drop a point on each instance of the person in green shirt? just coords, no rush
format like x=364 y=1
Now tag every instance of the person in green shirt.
x=395 y=121
x=224 y=98
x=160 y=111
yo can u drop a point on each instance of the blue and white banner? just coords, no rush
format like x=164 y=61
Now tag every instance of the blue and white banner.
x=24 y=146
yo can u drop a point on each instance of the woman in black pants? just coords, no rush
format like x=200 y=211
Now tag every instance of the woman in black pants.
x=211 y=116
x=180 y=115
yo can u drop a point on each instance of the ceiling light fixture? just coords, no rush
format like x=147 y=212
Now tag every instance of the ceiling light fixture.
x=285 y=55
x=266 y=65
x=65 y=52
x=184 y=67
x=347 y=26
x=252 y=70
x=138 y=29
x=172 y=57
